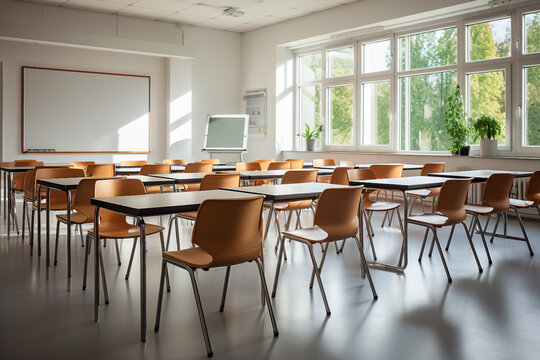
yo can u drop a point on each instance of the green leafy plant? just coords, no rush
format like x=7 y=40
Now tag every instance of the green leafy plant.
x=309 y=133
x=457 y=126
x=486 y=127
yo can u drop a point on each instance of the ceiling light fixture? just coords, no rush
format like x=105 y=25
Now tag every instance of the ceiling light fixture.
x=232 y=12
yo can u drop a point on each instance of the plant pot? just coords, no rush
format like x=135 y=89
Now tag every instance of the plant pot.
x=488 y=147
x=464 y=151
x=310 y=144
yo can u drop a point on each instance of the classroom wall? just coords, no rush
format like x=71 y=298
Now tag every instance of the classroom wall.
x=183 y=91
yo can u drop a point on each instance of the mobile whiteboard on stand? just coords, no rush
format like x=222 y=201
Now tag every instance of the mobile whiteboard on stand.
x=226 y=134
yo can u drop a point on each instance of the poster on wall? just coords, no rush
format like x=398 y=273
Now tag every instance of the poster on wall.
x=256 y=108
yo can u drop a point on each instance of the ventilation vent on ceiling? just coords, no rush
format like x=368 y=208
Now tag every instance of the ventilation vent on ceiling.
x=233 y=12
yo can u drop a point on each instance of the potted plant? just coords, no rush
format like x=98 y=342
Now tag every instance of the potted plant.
x=487 y=128
x=457 y=126
x=311 y=136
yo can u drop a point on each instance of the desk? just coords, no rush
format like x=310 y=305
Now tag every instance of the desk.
x=480 y=175
x=366 y=166
x=183 y=178
x=134 y=170
x=275 y=174
x=8 y=171
x=139 y=206
x=401 y=184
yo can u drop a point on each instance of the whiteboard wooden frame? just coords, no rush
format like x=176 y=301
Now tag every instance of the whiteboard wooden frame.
x=225 y=150
x=83 y=152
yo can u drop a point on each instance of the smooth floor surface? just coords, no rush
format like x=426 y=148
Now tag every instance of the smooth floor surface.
x=419 y=315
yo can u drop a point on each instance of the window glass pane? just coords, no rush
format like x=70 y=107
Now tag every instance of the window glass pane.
x=309 y=105
x=532 y=105
x=489 y=40
x=376 y=57
x=532 y=32
x=487 y=96
x=340 y=112
x=423 y=100
x=340 y=62
x=403 y=53
x=403 y=111
x=430 y=49
x=376 y=113
x=310 y=67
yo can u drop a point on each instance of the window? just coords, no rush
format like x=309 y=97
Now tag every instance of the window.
x=340 y=62
x=429 y=49
x=376 y=113
x=310 y=67
x=376 y=56
x=531 y=25
x=489 y=40
x=340 y=114
x=531 y=108
x=309 y=99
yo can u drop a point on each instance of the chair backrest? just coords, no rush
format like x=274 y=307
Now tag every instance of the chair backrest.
x=429 y=168
x=57 y=196
x=324 y=162
x=174 y=161
x=296 y=163
x=29 y=186
x=264 y=163
x=347 y=163
x=18 y=177
x=496 y=191
x=279 y=165
x=299 y=176
x=101 y=170
x=20 y=163
x=360 y=174
x=116 y=187
x=155 y=169
x=532 y=192
x=217 y=181
x=248 y=166
x=211 y=161
x=133 y=162
x=385 y=171
x=199 y=167
x=230 y=230
x=81 y=164
x=339 y=176
x=337 y=212
x=452 y=199
x=85 y=192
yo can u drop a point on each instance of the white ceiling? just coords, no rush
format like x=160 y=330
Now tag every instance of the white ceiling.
x=204 y=13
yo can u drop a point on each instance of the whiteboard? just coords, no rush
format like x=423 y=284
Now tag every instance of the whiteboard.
x=226 y=132
x=82 y=111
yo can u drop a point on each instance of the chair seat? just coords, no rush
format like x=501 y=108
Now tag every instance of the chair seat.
x=192 y=187
x=381 y=206
x=424 y=192
x=126 y=231
x=293 y=205
x=191 y=215
x=521 y=203
x=479 y=209
x=193 y=257
x=157 y=190
x=429 y=219
x=312 y=234
x=76 y=218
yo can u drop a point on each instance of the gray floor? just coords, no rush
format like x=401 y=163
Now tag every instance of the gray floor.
x=494 y=315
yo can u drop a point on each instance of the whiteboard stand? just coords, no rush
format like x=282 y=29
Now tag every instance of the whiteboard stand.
x=226 y=133
x=212 y=152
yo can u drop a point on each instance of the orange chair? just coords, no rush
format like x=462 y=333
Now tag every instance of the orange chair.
x=449 y=211
x=133 y=162
x=274 y=165
x=323 y=162
x=209 y=182
x=386 y=171
x=339 y=176
x=81 y=164
x=426 y=193
x=227 y=232
x=264 y=163
x=17 y=184
x=532 y=194
x=114 y=225
x=174 y=162
x=495 y=200
x=296 y=163
x=248 y=166
x=336 y=218
x=199 y=167
x=211 y=161
x=101 y=170
x=152 y=169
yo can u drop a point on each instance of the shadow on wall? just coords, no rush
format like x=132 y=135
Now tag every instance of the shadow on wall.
x=180 y=127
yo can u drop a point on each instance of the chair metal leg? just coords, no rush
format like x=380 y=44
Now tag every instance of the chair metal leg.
x=298 y=221
x=450 y=237
x=370 y=237
x=320 y=265
x=278 y=228
x=268 y=302
x=525 y=237
x=86 y=254
x=23 y=218
x=318 y=275
x=131 y=257
x=162 y=240
x=431 y=248
x=278 y=267
x=117 y=252
x=288 y=221
x=81 y=235
x=56 y=243
x=104 y=280
x=160 y=294
x=176 y=227
x=31 y=235
x=225 y=285
x=171 y=219
x=423 y=207
x=366 y=267
x=200 y=310
x=472 y=246
x=477 y=223
x=411 y=204
x=495 y=228
x=436 y=238
x=423 y=245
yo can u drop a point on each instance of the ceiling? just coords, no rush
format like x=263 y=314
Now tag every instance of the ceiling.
x=204 y=13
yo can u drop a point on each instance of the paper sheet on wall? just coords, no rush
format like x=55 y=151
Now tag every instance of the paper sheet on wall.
x=256 y=108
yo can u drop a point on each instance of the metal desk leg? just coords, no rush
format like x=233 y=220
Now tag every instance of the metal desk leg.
x=405 y=257
x=361 y=230
x=8 y=204
x=47 y=224
x=96 y=264
x=39 y=220
x=68 y=194
x=4 y=192
x=143 y=278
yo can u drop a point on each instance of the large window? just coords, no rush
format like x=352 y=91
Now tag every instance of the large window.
x=389 y=91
